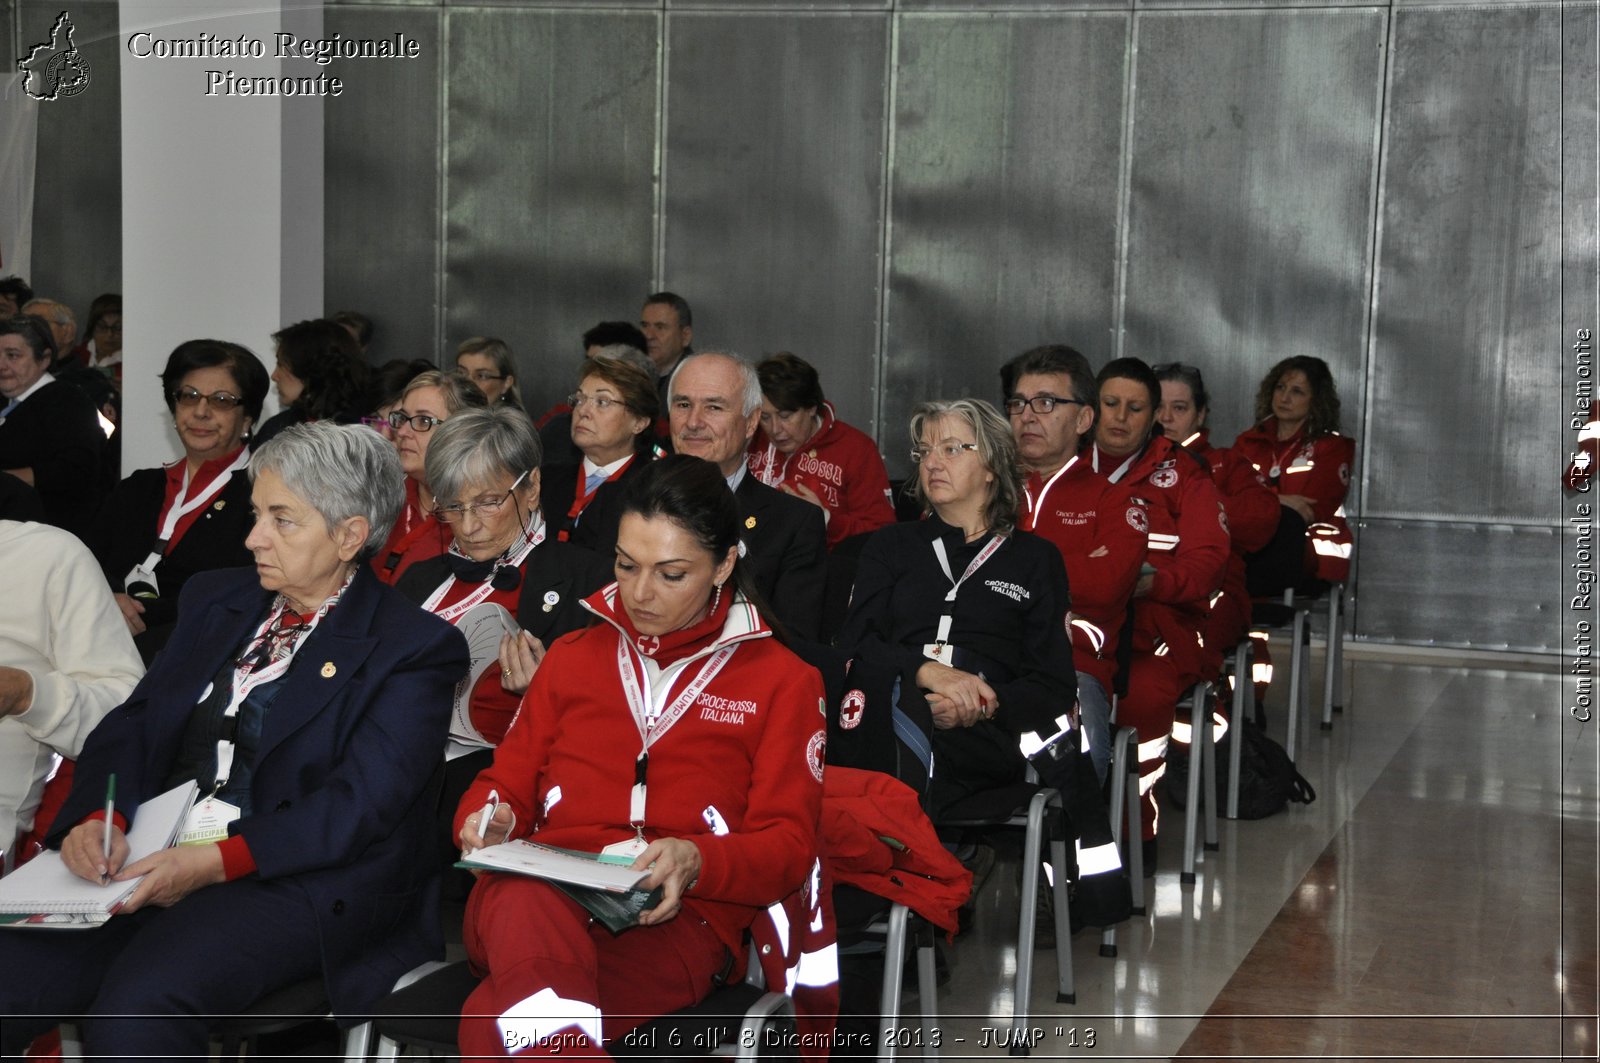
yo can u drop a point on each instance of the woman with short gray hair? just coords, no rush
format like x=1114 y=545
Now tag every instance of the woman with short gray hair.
x=970 y=608
x=343 y=475
x=483 y=466
x=309 y=702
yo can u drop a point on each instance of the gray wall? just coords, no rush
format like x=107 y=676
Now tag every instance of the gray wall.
x=77 y=198
x=907 y=193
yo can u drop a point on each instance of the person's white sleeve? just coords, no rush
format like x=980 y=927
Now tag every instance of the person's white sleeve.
x=92 y=663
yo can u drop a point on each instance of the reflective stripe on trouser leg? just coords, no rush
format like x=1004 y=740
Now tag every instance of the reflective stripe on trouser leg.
x=1154 y=687
x=550 y=1022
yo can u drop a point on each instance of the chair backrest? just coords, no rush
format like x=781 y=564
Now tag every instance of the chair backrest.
x=871 y=723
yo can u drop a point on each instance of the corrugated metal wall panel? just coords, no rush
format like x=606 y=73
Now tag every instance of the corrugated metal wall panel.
x=1467 y=336
x=1481 y=586
x=552 y=125
x=381 y=196
x=773 y=186
x=1251 y=197
x=1004 y=207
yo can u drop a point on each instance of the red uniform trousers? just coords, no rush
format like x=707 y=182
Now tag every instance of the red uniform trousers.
x=1157 y=681
x=559 y=982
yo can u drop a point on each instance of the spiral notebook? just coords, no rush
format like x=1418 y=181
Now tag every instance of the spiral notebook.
x=43 y=893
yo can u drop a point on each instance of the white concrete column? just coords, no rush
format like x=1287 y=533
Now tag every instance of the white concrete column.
x=221 y=195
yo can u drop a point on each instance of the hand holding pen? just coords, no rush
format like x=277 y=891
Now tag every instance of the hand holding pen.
x=491 y=827
x=84 y=850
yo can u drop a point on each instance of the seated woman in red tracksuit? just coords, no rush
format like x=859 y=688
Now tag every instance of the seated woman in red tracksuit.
x=1296 y=445
x=1188 y=553
x=675 y=730
x=1251 y=505
x=803 y=449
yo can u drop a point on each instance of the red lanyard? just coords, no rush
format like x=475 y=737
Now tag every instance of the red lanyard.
x=581 y=498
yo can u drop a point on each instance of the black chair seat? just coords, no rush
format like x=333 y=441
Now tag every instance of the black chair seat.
x=282 y=1009
x=713 y=1021
x=427 y=1013
x=1271 y=614
x=988 y=807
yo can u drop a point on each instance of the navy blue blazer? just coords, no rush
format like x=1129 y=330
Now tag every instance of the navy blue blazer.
x=345 y=772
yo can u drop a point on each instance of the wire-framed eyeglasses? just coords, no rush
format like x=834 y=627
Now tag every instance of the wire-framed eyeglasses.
x=483 y=507
x=947 y=451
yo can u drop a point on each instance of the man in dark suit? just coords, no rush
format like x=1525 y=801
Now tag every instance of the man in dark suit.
x=715 y=406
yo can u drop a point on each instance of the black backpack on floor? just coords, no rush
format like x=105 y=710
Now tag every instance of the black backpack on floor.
x=1268 y=780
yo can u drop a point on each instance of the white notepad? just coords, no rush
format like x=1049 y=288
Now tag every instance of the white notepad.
x=43 y=893
x=524 y=857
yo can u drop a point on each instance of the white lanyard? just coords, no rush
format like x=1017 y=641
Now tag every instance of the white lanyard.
x=180 y=508
x=451 y=612
x=242 y=684
x=1278 y=458
x=1122 y=470
x=772 y=471
x=1035 y=507
x=945 y=621
x=648 y=714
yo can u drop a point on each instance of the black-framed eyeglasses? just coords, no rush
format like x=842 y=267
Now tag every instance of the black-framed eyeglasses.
x=222 y=400
x=1040 y=404
x=422 y=422
x=947 y=451
x=484 y=507
x=108 y=326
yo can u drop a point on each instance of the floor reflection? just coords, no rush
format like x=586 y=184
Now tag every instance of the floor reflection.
x=1418 y=907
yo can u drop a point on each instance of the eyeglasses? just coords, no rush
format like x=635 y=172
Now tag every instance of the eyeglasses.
x=422 y=422
x=484 y=507
x=947 y=451
x=187 y=396
x=578 y=400
x=106 y=326
x=377 y=422
x=480 y=376
x=1040 y=404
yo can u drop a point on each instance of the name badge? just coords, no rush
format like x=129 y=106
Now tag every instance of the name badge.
x=141 y=582
x=630 y=848
x=207 y=822
x=938 y=651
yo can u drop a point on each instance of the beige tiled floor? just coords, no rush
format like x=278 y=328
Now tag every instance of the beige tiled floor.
x=1417 y=908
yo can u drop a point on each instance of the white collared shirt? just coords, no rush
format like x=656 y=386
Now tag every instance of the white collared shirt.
x=737 y=476
x=47 y=378
x=590 y=468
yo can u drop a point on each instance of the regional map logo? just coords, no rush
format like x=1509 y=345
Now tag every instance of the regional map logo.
x=55 y=68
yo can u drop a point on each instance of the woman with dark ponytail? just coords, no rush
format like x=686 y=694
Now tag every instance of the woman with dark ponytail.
x=675 y=731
